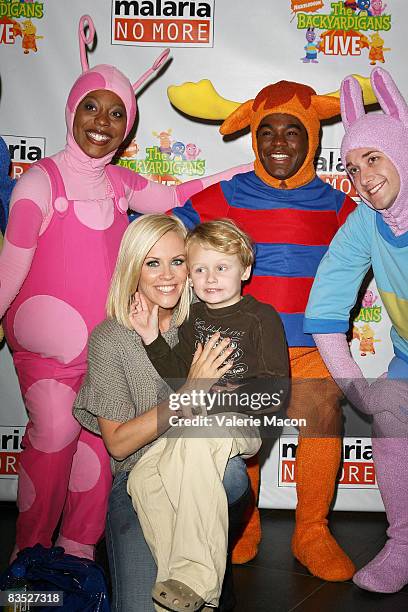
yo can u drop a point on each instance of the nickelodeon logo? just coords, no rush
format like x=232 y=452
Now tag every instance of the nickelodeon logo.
x=10 y=448
x=161 y=22
x=24 y=151
x=357 y=469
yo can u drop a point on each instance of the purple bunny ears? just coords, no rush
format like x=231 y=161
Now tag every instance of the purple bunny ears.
x=386 y=131
x=386 y=91
x=85 y=40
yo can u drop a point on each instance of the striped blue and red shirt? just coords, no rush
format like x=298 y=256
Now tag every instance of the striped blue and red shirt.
x=291 y=229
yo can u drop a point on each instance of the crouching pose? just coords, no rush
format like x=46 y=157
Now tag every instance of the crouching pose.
x=375 y=154
x=175 y=476
x=124 y=399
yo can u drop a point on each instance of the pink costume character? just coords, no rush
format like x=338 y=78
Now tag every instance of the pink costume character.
x=67 y=218
x=369 y=298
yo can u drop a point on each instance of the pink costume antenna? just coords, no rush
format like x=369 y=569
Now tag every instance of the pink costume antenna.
x=157 y=64
x=85 y=40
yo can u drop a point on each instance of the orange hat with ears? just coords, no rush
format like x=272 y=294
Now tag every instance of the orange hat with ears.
x=289 y=98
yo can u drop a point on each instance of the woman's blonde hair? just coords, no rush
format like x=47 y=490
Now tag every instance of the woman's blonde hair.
x=225 y=236
x=139 y=238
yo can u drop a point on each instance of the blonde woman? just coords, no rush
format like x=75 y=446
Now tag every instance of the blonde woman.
x=124 y=399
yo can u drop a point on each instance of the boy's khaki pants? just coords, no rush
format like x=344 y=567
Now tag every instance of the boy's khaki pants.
x=177 y=492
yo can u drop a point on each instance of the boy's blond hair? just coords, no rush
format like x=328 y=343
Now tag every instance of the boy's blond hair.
x=139 y=238
x=225 y=236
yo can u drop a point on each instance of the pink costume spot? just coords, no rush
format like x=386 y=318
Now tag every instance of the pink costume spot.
x=96 y=214
x=53 y=426
x=90 y=81
x=61 y=204
x=24 y=225
x=123 y=204
x=86 y=469
x=46 y=325
x=26 y=490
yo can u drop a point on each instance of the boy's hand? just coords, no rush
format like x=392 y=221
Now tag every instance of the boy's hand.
x=144 y=321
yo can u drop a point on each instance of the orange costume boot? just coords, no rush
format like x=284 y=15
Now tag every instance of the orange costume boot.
x=317 y=464
x=247 y=546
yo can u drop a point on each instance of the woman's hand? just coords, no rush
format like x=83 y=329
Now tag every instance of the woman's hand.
x=144 y=321
x=210 y=362
x=208 y=366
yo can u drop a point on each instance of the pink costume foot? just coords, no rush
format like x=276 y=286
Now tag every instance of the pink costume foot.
x=76 y=548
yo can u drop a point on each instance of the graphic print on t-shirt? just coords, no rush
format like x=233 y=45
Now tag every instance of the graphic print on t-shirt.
x=203 y=332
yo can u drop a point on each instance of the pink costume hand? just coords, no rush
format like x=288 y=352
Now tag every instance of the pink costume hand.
x=147 y=196
x=225 y=175
x=186 y=190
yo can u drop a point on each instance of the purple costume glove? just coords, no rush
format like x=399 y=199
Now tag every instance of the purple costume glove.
x=389 y=395
x=383 y=395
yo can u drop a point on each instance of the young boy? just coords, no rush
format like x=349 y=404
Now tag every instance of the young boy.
x=220 y=258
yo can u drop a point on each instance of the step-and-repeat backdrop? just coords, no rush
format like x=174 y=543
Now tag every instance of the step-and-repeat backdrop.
x=240 y=47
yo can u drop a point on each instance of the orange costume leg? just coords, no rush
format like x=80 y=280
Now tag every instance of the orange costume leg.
x=247 y=546
x=317 y=464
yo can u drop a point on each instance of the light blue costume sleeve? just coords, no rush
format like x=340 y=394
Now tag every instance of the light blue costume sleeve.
x=340 y=274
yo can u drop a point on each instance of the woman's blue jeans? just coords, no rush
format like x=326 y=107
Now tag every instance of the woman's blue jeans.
x=133 y=570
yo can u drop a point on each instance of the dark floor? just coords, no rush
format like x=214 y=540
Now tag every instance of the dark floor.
x=274 y=581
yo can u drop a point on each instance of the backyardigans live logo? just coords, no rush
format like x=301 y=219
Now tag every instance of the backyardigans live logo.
x=345 y=29
x=12 y=30
x=165 y=162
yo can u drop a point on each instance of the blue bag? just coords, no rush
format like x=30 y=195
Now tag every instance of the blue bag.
x=49 y=569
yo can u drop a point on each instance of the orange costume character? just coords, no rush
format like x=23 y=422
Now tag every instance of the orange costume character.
x=292 y=216
x=376 y=53
x=29 y=37
x=367 y=340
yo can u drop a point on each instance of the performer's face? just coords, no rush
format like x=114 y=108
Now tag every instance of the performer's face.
x=100 y=123
x=374 y=176
x=283 y=144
